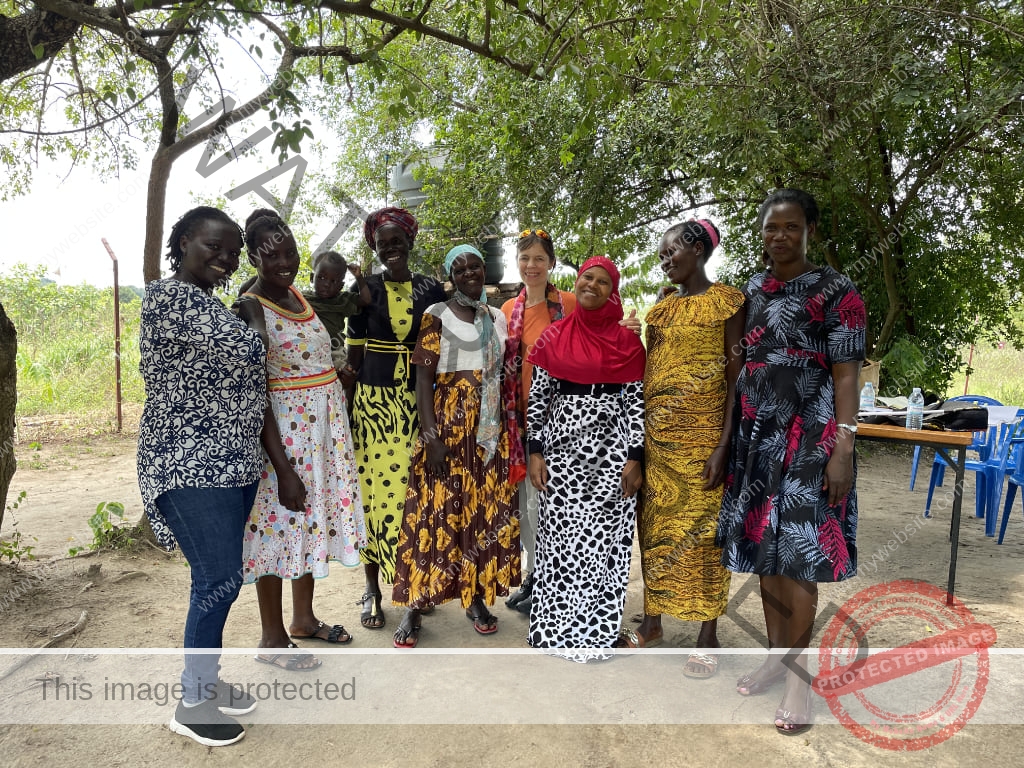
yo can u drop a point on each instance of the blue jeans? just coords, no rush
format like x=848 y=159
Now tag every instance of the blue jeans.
x=209 y=524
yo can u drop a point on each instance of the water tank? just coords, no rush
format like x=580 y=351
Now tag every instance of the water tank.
x=410 y=192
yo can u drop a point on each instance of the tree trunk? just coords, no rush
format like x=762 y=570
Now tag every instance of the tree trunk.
x=8 y=401
x=156 y=203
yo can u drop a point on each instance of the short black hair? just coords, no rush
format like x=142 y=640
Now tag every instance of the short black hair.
x=184 y=227
x=693 y=232
x=805 y=200
x=333 y=257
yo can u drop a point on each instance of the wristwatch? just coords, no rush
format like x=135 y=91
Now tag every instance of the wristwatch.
x=848 y=427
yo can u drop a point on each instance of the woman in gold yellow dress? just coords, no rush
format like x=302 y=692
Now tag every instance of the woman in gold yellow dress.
x=693 y=360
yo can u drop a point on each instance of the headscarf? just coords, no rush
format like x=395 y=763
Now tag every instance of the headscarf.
x=513 y=373
x=589 y=346
x=400 y=217
x=489 y=427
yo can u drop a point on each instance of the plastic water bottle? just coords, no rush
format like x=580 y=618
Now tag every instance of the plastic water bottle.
x=867 y=396
x=915 y=409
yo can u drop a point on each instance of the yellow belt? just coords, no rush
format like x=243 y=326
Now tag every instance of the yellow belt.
x=402 y=352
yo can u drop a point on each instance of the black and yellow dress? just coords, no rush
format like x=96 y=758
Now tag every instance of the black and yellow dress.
x=460 y=532
x=685 y=392
x=384 y=420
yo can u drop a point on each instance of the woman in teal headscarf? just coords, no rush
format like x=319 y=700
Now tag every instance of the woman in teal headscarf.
x=460 y=532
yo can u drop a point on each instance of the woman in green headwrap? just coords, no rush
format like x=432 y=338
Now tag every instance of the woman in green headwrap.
x=460 y=532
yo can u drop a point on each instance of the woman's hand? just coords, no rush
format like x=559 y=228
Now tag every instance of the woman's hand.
x=838 y=477
x=290 y=490
x=538 y=472
x=437 y=455
x=715 y=467
x=632 y=478
x=631 y=322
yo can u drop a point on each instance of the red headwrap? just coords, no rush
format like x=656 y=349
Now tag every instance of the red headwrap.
x=589 y=346
x=400 y=217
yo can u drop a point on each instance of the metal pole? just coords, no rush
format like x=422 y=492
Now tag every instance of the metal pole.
x=967 y=377
x=117 y=333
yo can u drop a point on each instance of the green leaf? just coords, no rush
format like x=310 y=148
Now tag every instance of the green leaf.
x=38 y=50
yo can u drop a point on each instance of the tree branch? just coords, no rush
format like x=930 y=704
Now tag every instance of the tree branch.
x=367 y=11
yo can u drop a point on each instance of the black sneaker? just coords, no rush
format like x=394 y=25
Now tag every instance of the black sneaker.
x=524 y=606
x=205 y=724
x=233 y=700
x=524 y=593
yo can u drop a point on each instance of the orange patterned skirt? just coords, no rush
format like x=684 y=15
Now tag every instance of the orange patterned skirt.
x=460 y=531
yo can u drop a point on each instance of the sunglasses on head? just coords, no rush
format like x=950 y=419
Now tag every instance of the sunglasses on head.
x=538 y=232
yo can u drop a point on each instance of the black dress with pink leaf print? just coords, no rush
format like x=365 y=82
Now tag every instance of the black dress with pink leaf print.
x=775 y=517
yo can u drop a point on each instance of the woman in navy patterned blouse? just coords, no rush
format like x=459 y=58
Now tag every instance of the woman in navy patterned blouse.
x=199 y=457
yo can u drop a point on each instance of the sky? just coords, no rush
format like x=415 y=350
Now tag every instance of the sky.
x=62 y=222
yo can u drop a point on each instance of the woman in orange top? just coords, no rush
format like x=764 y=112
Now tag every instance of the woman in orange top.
x=537 y=306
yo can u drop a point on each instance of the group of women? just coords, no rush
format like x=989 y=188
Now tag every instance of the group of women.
x=727 y=444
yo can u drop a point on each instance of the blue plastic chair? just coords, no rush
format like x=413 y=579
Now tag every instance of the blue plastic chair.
x=981 y=443
x=1013 y=482
x=1005 y=460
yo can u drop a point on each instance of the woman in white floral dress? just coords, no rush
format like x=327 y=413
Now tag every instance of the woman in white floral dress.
x=308 y=509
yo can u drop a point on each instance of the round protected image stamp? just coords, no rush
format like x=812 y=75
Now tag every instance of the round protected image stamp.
x=917 y=694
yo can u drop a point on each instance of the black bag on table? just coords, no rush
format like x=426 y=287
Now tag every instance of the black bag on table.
x=952 y=416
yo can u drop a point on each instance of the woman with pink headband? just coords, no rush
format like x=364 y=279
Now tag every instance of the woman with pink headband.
x=693 y=360
x=585 y=423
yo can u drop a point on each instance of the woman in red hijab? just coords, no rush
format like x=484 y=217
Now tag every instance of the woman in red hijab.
x=585 y=422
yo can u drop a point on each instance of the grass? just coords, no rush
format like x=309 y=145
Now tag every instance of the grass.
x=66 y=352
x=996 y=372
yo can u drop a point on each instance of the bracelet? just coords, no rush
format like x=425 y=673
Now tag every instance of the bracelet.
x=848 y=427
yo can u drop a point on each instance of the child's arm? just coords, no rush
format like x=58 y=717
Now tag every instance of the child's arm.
x=363 y=297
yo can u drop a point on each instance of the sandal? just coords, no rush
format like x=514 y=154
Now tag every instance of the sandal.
x=484 y=622
x=293 y=663
x=630 y=638
x=336 y=635
x=791 y=723
x=748 y=685
x=408 y=634
x=706 y=660
x=372 y=616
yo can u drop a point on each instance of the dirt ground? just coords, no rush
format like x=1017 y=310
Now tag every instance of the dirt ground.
x=138 y=598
